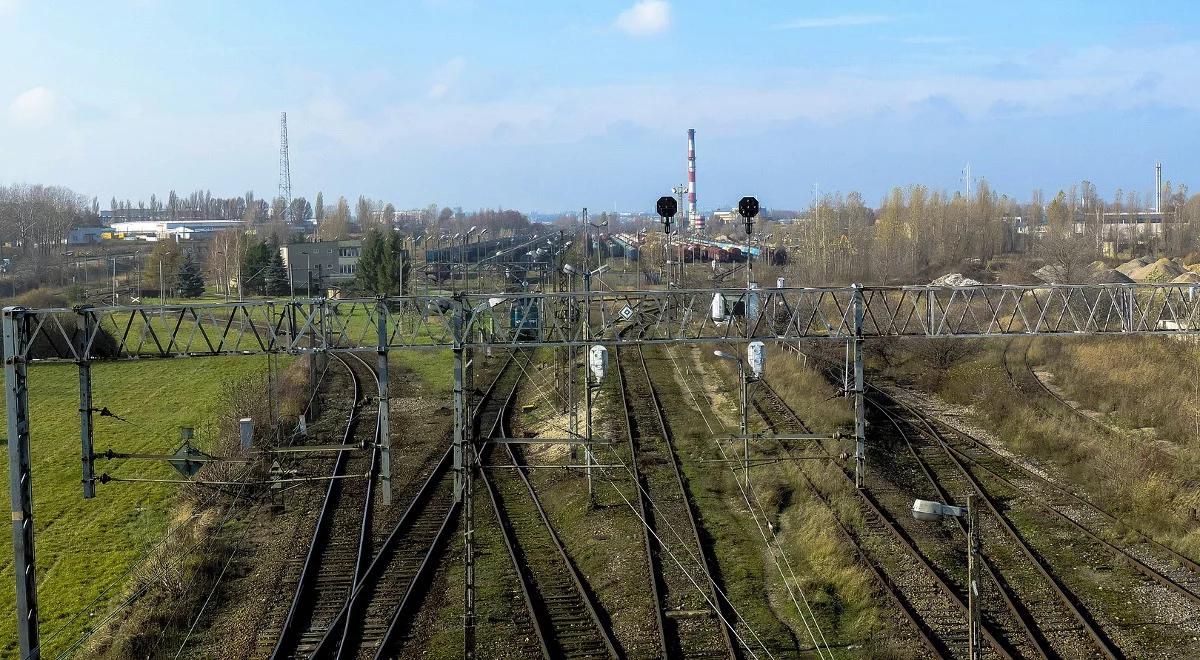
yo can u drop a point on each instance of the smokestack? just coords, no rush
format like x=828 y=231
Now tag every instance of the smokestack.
x=693 y=217
x=1158 y=187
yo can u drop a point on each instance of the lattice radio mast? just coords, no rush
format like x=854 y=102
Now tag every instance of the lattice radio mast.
x=285 y=170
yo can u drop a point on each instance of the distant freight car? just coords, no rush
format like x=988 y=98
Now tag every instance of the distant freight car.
x=525 y=319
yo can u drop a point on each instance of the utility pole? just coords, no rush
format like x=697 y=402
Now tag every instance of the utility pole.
x=20 y=481
x=381 y=371
x=464 y=463
x=162 y=286
x=860 y=419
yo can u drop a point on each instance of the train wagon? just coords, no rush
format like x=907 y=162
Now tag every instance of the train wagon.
x=525 y=319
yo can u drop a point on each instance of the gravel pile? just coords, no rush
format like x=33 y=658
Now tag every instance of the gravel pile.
x=954 y=279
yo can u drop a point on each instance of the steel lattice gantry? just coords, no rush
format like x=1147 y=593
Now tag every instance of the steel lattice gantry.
x=555 y=319
x=314 y=326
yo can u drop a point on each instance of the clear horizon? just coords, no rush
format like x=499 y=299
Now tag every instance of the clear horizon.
x=426 y=102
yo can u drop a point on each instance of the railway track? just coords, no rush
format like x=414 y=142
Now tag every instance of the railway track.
x=1153 y=561
x=375 y=620
x=564 y=616
x=1025 y=379
x=1040 y=616
x=1076 y=516
x=1044 y=618
x=340 y=543
x=933 y=609
x=691 y=623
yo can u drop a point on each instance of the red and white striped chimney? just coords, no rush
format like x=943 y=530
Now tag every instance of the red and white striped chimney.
x=693 y=217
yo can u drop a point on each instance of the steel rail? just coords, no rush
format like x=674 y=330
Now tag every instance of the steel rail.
x=907 y=542
x=411 y=597
x=1065 y=595
x=708 y=561
x=1121 y=553
x=288 y=635
x=928 y=637
x=552 y=645
x=652 y=564
x=1024 y=617
x=346 y=619
x=1185 y=561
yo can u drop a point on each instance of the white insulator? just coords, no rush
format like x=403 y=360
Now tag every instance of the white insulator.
x=598 y=363
x=718 y=307
x=756 y=357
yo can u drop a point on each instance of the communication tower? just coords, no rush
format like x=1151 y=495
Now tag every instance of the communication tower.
x=285 y=170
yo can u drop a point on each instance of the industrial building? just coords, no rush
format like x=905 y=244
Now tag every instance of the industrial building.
x=335 y=262
x=154 y=230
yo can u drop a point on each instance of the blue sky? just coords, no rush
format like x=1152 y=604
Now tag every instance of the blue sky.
x=547 y=105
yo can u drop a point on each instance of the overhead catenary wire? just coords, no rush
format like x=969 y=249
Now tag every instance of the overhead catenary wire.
x=147 y=555
x=667 y=547
x=772 y=543
x=687 y=547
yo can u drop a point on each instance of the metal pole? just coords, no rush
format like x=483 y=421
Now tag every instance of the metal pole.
x=463 y=476
x=460 y=428
x=860 y=421
x=745 y=422
x=314 y=374
x=385 y=437
x=587 y=381
x=469 y=560
x=87 y=456
x=20 y=487
x=974 y=646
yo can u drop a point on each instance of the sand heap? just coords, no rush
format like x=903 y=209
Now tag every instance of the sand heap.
x=1163 y=270
x=954 y=279
x=1187 y=278
x=1132 y=265
x=1109 y=276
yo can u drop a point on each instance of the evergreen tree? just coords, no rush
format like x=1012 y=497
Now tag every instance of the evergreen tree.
x=276 y=280
x=254 y=268
x=370 y=262
x=191 y=280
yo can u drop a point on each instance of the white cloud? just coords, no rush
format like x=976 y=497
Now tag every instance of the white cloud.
x=445 y=77
x=645 y=18
x=844 y=20
x=35 y=107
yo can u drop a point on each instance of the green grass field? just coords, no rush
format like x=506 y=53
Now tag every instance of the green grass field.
x=83 y=546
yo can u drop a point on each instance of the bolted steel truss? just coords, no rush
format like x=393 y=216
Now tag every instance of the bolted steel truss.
x=555 y=319
x=573 y=319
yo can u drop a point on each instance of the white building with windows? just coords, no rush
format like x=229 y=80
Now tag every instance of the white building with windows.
x=155 y=230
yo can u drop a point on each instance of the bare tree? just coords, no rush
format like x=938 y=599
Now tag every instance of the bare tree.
x=1068 y=255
